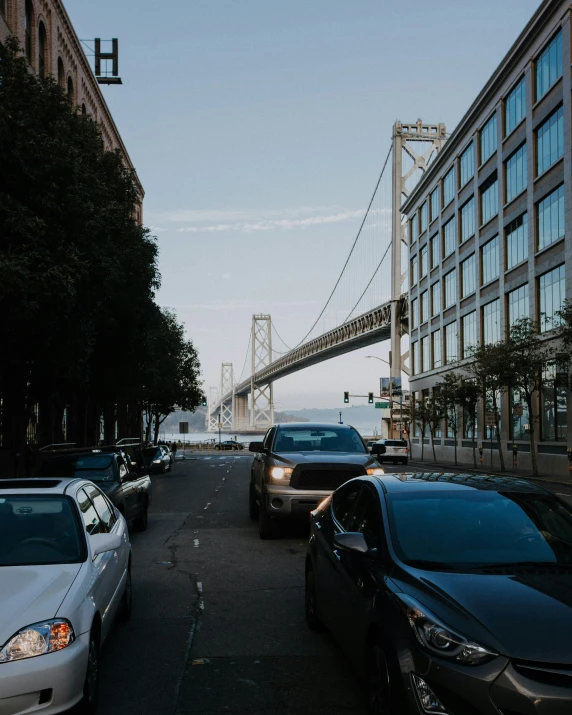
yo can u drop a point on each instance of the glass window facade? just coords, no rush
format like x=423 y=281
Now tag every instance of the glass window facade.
x=553 y=398
x=517 y=302
x=489 y=139
x=424 y=300
x=469 y=323
x=415 y=313
x=423 y=216
x=549 y=66
x=468 y=220
x=516 y=173
x=550 y=141
x=435 y=251
x=516 y=241
x=550 y=218
x=451 y=348
x=490 y=260
x=449 y=187
x=520 y=417
x=449 y=237
x=437 y=349
x=551 y=291
x=434 y=204
x=515 y=107
x=425 y=354
x=467 y=165
x=450 y=281
x=491 y=322
x=489 y=199
x=436 y=298
x=416 y=358
x=414 y=270
x=413 y=230
x=423 y=261
x=468 y=276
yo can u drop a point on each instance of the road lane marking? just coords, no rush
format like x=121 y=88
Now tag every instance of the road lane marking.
x=196 y=543
x=200 y=586
x=207 y=506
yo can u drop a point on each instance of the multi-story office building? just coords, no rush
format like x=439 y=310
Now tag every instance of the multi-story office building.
x=490 y=230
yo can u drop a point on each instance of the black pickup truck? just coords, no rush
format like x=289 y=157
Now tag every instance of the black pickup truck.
x=112 y=471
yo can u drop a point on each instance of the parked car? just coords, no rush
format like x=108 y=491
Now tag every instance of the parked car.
x=450 y=593
x=298 y=465
x=394 y=450
x=156 y=460
x=168 y=452
x=230 y=444
x=65 y=572
x=129 y=491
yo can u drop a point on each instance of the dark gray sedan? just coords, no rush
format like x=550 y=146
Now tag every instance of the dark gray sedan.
x=452 y=594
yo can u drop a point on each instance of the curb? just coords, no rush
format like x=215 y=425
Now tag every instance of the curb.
x=452 y=468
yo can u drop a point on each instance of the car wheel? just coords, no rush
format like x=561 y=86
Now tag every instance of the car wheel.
x=267 y=527
x=88 y=704
x=142 y=521
x=252 y=505
x=126 y=599
x=312 y=619
x=386 y=695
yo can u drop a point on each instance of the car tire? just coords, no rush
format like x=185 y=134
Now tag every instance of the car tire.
x=127 y=599
x=267 y=527
x=385 y=690
x=88 y=703
x=252 y=503
x=311 y=613
x=142 y=521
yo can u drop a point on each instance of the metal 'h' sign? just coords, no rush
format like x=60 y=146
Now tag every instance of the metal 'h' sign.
x=113 y=56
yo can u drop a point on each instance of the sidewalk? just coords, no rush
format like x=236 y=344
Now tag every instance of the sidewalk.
x=483 y=469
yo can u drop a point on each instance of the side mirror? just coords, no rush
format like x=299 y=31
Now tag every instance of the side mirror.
x=353 y=541
x=101 y=543
x=378 y=449
x=256 y=447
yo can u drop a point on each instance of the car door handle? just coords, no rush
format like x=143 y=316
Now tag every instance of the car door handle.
x=336 y=553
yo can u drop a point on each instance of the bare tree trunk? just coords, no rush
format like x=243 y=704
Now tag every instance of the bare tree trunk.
x=422 y=441
x=499 y=445
x=431 y=432
x=455 y=436
x=531 y=433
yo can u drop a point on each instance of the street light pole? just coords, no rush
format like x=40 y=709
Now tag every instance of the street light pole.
x=390 y=397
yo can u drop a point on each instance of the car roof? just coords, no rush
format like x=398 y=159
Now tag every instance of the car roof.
x=447 y=481
x=43 y=486
x=314 y=425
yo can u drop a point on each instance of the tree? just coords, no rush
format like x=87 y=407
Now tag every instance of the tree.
x=423 y=414
x=448 y=395
x=435 y=415
x=467 y=396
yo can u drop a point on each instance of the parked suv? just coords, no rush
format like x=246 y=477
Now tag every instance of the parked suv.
x=297 y=466
x=395 y=450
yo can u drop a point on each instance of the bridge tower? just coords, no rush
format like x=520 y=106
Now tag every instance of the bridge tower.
x=262 y=396
x=226 y=387
x=414 y=147
x=212 y=416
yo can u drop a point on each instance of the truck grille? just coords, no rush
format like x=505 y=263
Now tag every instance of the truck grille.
x=323 y=479
x=549 y=673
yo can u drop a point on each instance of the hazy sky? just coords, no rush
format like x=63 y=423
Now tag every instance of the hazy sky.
x=258 y=129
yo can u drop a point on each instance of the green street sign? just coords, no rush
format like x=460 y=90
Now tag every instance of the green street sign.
x=382 y=405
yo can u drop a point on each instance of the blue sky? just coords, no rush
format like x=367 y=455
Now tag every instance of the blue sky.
x=259 y=128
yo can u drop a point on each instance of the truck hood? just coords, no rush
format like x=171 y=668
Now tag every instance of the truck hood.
x=334 y=458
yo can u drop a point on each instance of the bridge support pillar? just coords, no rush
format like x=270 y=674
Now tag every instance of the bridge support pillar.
x=226 y=387
x=241 y=419
x=262 y=412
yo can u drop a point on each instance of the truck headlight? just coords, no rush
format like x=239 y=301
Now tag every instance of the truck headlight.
x=38 y=639
x=281 y=474
x=374 y=472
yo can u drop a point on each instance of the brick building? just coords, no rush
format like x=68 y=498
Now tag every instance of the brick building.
x=490 y=232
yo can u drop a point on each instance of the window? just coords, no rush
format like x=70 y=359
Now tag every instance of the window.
x=517 y=304
x=61 y=73
x=520 y=417
x=490 y=260
x=553 y=409
x=423 y=261
x=549 y=66
x=449 y=187
x=434 y=204
x=449 y=238
x=467 y=165
x=423 y=216
x=89 y=515
x=468 y=220
x=489 y=139
x=515 y=107
x=516 y=173
x=469 y=323
x=550 y=218
x=552 y=293
x=102 y=507
x=70 y=90
x=468 y=282
x=451 y=349
x=437 y=353
x=424 y=298
x=436 y=298
x=28 y=22
x=516 y=241
x=491 y=322
x=489 y=198
x=41 y=50
x=450 y=281
x=3 y=8
x=413 y=228
x=414 y=270
x=344 y=502
x=416 y=358
x=435 y=252
x=366 y=518
x=425 y=354
x=549 y=141
x=415 y=313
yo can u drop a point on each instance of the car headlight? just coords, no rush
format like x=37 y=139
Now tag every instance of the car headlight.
x=281 y=474
x=437 y=637
x=157 y=461
x=374 y=472
x=38 y=639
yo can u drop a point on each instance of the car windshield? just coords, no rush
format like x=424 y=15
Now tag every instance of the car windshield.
x=460 y=530
x=318 y=440
x=95 y=467
x=151 y=453
x=37 y=530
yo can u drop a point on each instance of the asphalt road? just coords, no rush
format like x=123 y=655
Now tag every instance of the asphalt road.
x=218 y=618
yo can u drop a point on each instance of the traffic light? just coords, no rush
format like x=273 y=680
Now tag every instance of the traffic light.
x=346 y=396
x=203 y=401
x=370 y=398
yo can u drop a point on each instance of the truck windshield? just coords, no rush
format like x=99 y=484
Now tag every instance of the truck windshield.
x=95 y=467
x=318 y=440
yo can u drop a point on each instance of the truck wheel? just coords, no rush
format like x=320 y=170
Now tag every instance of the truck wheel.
x=141 y=522
x=267 y=527
x=252 y=505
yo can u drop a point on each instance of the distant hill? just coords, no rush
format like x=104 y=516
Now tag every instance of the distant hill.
x=362 y=417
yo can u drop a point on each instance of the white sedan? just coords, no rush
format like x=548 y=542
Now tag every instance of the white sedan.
x=65 y=572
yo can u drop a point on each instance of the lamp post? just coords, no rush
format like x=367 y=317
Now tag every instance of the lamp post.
x=374 y=357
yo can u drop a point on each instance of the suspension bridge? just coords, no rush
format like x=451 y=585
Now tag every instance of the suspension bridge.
x=354 y=315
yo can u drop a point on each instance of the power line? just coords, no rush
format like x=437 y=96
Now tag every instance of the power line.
x=368 y=285
x=280 y=338
x=246 y=358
